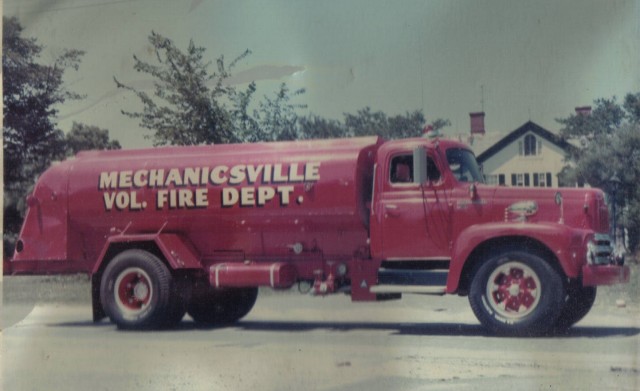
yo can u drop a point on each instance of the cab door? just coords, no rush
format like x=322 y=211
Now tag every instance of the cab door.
x=414 y=219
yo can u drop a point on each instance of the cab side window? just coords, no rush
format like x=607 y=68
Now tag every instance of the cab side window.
x=432 y=171
x=402 y=170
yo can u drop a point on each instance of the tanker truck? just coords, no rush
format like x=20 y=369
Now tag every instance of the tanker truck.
x=167 y=231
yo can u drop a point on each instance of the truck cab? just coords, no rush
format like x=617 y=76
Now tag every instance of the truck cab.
x=528 y=258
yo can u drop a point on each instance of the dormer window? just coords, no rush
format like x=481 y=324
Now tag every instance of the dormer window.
x=530 y=147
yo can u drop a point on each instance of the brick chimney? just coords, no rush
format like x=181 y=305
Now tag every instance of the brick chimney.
x=583 y=110
x=477 y=123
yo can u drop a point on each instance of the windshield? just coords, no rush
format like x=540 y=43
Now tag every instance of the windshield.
x=463 y=164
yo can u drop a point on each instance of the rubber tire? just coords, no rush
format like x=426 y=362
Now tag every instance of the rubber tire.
x=222 y=306
x=579 y=301
x=180 y=296
x=541 y=319
x=163 y=309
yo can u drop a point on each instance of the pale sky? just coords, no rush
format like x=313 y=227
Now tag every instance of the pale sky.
x=536 y=59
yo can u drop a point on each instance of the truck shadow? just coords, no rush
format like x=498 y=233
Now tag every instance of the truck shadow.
x=399 y=329
x=426 y=329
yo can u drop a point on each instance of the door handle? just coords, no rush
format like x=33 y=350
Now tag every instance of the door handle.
x=391 y=210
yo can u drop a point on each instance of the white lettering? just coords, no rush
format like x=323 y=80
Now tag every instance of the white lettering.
x=125 y=179
x=312 y=171
x=173 y=177
x=294 y=176
x=247 y=196
x=218 y=175
x=204 y=178
x=108 y=180
x=156 y=178
x=162 y=198
x=278 y=176
x=135 y=205
x=185 y=198
x=108 y=200
x=265 y=194
x=285 y=191
x=122 y=200
x=230 y=196
x=266 y=175
x=237 y=174
x=140 y=178
x=253 y=173
x=201 y=198
x=192 y=176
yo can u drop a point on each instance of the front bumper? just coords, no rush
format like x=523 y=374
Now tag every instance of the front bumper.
x=593 y=275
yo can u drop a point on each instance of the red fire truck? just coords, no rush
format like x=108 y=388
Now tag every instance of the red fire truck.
x=168 y=231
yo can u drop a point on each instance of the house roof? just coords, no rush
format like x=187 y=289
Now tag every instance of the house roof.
x=529 y=126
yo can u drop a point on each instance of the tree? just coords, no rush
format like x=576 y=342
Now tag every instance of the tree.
x=190 y=105
x=277 y=119
x=32 y=92
x=609 y=156
x=367 y=123
x=85 y=137
x=316 y=127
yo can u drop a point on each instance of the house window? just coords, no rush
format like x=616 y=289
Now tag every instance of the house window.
x=520 y=180
x=517 y=179
x=542 y=179
x=498 y=179
x=531 y=146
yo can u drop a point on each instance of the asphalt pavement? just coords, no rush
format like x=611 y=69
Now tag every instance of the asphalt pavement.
x=297 y=342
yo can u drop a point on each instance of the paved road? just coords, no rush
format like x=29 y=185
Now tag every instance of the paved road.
x=291 y=342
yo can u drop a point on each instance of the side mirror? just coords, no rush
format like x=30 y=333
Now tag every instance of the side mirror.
x=473 y=191
x=419 y=165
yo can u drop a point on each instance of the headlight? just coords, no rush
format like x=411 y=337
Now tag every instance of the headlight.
x=599 y=250
x=591 y=253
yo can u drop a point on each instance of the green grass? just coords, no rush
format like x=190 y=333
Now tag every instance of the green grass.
x=70 y=289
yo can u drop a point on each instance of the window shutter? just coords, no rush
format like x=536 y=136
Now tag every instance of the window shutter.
x=549 y=183
x=526 y=179
x=539 y=147
x=536 y=182
x=514 y=179
x=501 y=181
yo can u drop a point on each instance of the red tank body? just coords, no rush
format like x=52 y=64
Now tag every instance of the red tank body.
x=254 y=200
x=197 y=229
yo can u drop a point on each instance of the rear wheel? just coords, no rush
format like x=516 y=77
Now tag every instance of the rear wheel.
x=516 y=293
x=137 y=292
x=579 y=301
x=222 y=306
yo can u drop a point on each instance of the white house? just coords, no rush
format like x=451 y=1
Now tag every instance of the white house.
x=529 y=156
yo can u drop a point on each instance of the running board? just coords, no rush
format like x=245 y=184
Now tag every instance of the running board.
x=424 y=290
x=431 y=278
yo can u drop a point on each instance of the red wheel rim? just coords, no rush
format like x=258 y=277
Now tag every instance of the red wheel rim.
x=513 y=290
x=133 y=291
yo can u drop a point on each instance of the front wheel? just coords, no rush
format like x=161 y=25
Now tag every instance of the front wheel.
x=516 y=293
x=579 y=301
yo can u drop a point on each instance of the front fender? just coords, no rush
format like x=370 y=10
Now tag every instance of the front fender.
x=566 y=243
